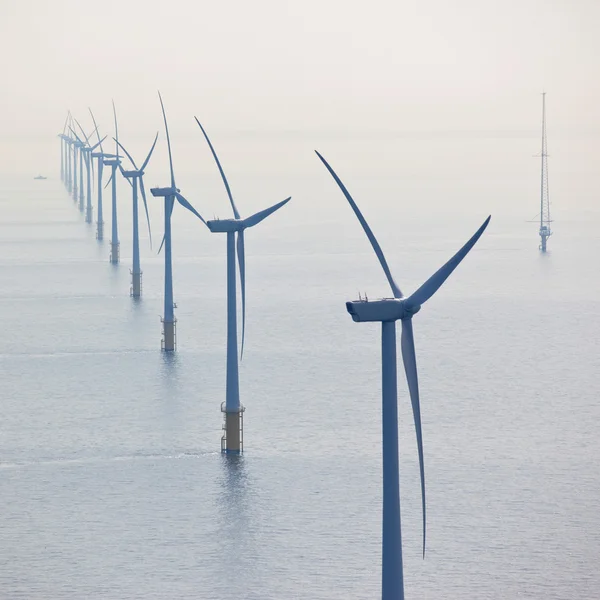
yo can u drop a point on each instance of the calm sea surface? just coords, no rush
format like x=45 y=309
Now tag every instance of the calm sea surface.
x=111 y=480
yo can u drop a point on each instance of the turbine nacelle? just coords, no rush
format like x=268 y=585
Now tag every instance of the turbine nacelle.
x=384 y=309
x=164 y=192
x=225 y=225
x=130 y=174
x=112 y=162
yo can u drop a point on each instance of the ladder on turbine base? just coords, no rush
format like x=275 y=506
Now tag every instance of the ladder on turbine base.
x=163 y=338
x=115 y=253
x=240 y=412
x=131 y=290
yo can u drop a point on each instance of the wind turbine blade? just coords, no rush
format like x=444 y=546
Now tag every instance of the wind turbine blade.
x=97 y=132
x=126 y=178
x=256 y=218
x=235 y=210
x=109 y=180
x=431 y=286
x=76 y=136
x=410 y=367
x=116 y=129
x=146 y=209
x=66 y=121
x=395 y=289
x=168 y=140
x=98 y=144
x=127 y=153
x=80 y=129
x=87 y=137
x=242 y=265
x=187 y=205
x=149 y=153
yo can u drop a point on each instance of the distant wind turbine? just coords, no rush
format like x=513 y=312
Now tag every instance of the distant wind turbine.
x=232 y=441
x=136 y=175
x=63 y=154
x=114 y=163
x=86 y=150
x=75 y=145
x=170 y=194
x=69 y=156
x=100 y=157
x=79 y=145
x=81 y=156
x=388 y=311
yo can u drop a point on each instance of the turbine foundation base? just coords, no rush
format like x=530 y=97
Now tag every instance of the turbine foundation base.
x=88 y=215
x=136 y=285
x=114 y=253
x=100 y=231
x=232 y=441
x=169 y=337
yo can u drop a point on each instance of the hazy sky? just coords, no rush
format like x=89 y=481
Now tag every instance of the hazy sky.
x=316 y=67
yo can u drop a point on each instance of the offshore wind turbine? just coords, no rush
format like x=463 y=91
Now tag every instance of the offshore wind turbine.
x=86 y=151
x=114 y=163
x=65 y=166
x=75 y=145
x=545 y=231
x=63 y=144
x=78 y=145
x=388 y=311
x=232 y=409
x=68 y=149
x=81 y=154
x=170 y=194
x=134 y=176
x=100 y=157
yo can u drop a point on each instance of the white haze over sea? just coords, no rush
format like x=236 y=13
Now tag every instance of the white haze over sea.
x=111 y=481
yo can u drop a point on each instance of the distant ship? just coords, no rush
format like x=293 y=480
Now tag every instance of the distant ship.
x=40 y=177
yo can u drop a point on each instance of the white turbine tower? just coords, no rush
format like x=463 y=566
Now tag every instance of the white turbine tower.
x=63 y=150
x=134 y=176
x=170 y=194
x=232 y=441
x=100 y=157
x=75 y=145
x=388 y=311
x=79 y=145
x=87 y=151
x=70 y=158
x=114 y=163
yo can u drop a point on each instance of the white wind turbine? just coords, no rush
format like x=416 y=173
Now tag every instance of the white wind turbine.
x=232 y=441
x=100 y=157
x=86 y=150
x=388 y=311
x=135 y=175
x=170 y=194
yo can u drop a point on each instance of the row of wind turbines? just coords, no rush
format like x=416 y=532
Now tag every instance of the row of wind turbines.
x=77 y=152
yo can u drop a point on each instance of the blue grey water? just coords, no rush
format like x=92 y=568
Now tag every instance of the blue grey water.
x=112 y=483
